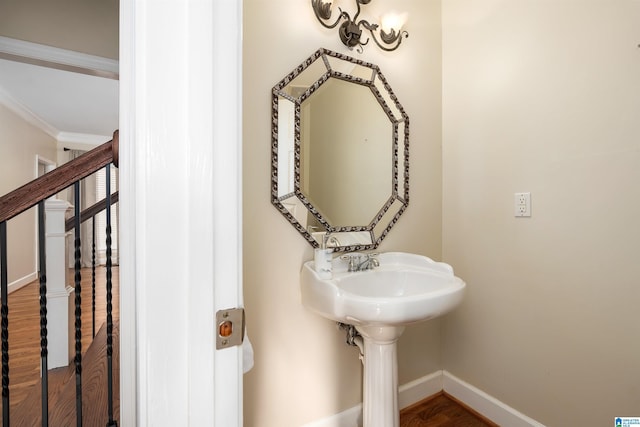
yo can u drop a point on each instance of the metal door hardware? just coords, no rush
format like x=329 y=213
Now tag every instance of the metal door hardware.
x=229 y=327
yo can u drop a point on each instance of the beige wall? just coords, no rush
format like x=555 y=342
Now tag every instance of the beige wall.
x=544 y=96
x=58 y=23
x=20 y=142
x=303 y=370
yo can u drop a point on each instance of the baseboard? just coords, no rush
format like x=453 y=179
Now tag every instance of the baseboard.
x=22 y=282
x=408 y=394
x=352 y=417
x=486 y=405
x=417 y=390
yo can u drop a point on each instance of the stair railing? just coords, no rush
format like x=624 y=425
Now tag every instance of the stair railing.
x=90 y=213
x=35 y=193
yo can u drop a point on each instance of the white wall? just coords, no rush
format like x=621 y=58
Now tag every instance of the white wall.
x=303 y=370
x=544 y=96
x=20 y=143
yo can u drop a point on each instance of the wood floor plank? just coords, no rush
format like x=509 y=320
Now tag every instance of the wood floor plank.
x=24 y=353
x=62 y=401
x=441 y=410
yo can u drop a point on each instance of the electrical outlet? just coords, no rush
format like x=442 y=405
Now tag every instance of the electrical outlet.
x=522 y=204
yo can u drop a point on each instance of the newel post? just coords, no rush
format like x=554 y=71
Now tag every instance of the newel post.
x=60 y=309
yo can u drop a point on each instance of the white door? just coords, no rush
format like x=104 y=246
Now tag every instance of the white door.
x=180 y=208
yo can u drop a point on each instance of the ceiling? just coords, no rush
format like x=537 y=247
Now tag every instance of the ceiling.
x=71 y=106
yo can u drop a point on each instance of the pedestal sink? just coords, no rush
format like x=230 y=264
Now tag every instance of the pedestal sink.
x=405 y=288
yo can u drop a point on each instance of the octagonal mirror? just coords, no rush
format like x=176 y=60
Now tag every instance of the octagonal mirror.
x=340 y=151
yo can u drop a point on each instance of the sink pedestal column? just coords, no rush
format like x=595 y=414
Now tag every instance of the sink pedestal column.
x=380 y=388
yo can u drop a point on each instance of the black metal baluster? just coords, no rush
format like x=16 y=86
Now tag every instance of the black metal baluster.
x=44 y=352
x=93 y=277
x=111 y=422
x=78 y=308
x=4 y=283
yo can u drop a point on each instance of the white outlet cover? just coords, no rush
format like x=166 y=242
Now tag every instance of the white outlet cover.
x=522 y=205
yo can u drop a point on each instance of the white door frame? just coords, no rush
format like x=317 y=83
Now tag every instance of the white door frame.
x=180 y=210
x=49 y=165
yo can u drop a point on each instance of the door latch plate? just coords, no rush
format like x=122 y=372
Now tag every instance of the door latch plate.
x=229 y=327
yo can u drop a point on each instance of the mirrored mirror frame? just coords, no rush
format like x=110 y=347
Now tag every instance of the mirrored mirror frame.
x=402 y=197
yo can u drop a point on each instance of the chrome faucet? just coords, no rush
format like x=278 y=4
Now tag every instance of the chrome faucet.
x=370 y=262
x=361 y=262
x=331 y=240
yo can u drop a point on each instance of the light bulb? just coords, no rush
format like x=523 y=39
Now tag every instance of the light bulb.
x=393 y=21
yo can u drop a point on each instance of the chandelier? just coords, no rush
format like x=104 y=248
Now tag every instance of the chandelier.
x=389 y=31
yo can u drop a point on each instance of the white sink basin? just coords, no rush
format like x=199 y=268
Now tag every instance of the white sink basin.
x=404 y=289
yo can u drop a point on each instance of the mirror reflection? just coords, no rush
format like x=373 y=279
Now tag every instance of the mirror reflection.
x=345 y=146
x=339 y=151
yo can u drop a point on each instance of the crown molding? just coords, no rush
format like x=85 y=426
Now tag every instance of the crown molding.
x=53 y=57
x=81 y=141
x=26 y=114
x=62 y=59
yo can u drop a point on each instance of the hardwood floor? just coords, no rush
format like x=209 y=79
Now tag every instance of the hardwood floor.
x=24 y=364
x=441 y=410
x=24 y=355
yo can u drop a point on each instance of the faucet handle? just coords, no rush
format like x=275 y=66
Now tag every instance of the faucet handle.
x=353 y=259
x=375 y=262
x=333 y=240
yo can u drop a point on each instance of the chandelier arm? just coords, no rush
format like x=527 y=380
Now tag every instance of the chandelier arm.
x=367 y=25
x=397 y=40
x=316 y=5
x=355 y=17
x=362 y=44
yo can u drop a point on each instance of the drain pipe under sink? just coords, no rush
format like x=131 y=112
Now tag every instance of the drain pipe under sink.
x=353 y=338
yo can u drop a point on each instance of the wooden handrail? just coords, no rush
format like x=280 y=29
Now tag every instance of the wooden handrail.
x=27 y=196
x=91 y=211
